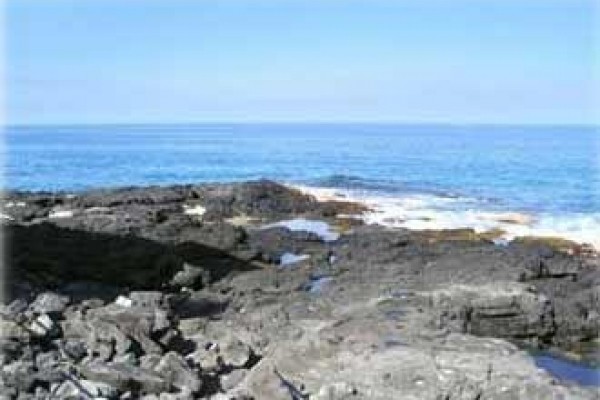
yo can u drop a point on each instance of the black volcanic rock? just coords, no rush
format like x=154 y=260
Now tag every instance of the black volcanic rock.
x=140 y=298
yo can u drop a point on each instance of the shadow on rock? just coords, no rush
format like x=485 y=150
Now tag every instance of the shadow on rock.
x=47 y=256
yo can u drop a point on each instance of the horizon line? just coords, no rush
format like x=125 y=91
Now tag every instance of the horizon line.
x=301 y=122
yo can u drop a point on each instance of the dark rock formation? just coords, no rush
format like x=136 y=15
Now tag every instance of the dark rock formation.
x=177 y=293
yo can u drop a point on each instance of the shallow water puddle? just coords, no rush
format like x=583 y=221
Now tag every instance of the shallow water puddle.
x=320 y=228
x=568 y=370
x=289 y=259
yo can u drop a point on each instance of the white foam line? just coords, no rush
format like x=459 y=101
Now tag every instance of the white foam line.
x=425 y=211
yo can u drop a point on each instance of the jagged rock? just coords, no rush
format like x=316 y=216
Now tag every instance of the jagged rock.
x=175 y=370
x=49 y=303
x=127 y=358
x=98 y=389
x=10 y=349
x=68 y=390
x=192 y=326
x=206 y=355
x=137 y=323
x=82 y=388
x=231 y=380
x=102 y=338
x=399 y=319
x=218 y=353
x=49 y=366
x=92 y=303
x=74 y=349
x=125 y=377
x=43 y=326
x=234 y=352
x=14 y=308
x=150 y=361
x=12 y=330
x=148 y=299
x=19 y=374
x=191 y=276
x=199 y=304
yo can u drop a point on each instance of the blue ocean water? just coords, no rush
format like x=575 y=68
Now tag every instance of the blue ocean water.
x=535 y=168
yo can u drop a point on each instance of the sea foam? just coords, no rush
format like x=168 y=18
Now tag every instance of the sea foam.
x=433 y=212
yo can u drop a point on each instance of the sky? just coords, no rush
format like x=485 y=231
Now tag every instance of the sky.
x=417 y=61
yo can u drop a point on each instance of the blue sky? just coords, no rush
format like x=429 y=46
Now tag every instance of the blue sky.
x=460 y=61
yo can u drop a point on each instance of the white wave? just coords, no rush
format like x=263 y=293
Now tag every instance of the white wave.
x=426 y=211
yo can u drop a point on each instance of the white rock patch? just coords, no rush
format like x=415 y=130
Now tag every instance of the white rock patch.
x=61 y=214
x=196 y=210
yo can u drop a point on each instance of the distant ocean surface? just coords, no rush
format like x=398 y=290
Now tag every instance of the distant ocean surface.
x=417 y=176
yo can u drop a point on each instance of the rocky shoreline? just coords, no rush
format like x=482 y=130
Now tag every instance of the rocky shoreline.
x=256 y=290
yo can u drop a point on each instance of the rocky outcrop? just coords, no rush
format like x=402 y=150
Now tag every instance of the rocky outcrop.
x=181 y=293
x=128 y=348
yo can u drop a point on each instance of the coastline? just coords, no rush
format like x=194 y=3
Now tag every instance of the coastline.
x=573 y=232
x=207 y=289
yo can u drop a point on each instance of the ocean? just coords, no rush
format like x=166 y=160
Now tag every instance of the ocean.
x=542 y=180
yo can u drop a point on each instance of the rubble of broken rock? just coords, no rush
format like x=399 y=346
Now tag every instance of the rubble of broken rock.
x=201 y=292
